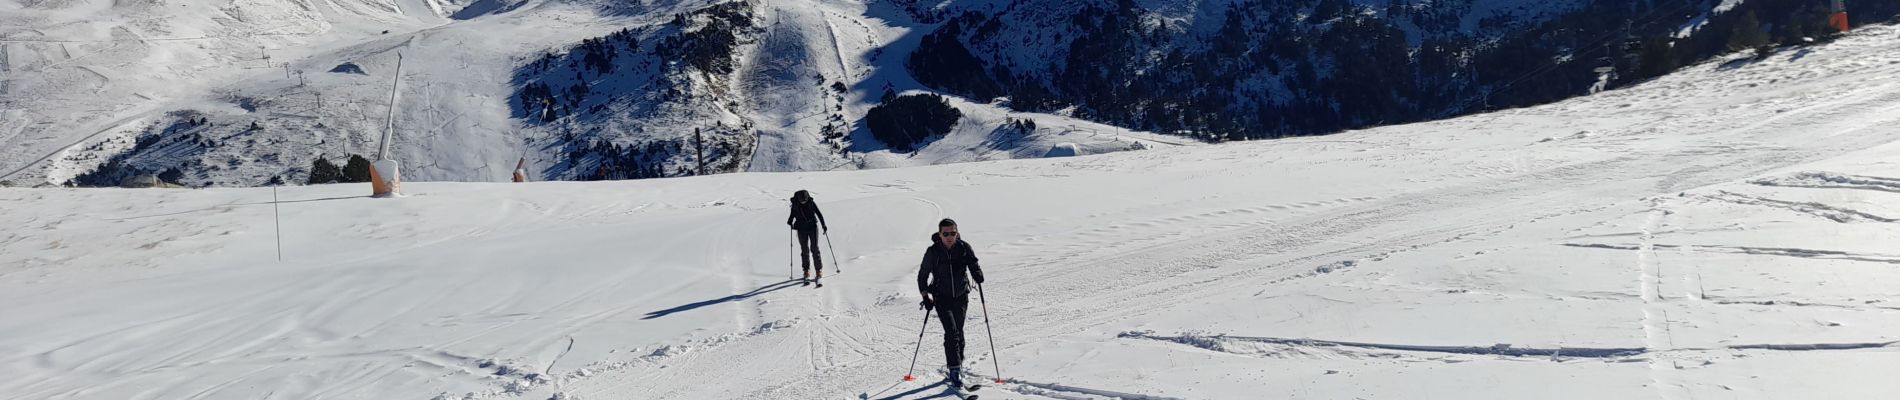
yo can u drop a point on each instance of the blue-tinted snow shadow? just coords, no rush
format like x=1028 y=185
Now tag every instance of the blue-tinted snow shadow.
x=737 y=297
x=944 y=392
x=1799 y=54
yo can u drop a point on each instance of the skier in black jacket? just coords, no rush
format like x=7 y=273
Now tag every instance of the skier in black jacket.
x=806 y=219
x=945 y=286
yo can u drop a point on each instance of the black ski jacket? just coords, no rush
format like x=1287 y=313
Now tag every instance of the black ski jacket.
x=946 y=273
x=806 y=216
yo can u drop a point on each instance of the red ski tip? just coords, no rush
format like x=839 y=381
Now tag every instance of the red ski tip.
x=908 y=378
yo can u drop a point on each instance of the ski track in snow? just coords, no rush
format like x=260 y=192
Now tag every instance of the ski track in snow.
x=1237 y=345
x=1771 y=251
x=1825 y=180
x=1837 y=214
x=1656 y=333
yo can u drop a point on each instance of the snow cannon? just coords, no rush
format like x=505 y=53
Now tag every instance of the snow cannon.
x=521 y=170
x=385 y=177
x=384 y=174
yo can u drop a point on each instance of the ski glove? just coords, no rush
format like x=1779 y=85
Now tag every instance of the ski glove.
x=927 y=304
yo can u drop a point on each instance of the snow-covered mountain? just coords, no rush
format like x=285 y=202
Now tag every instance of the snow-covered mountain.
x=1723 y=232
x=1236 y=69
x=238 y=93
x=243 y=92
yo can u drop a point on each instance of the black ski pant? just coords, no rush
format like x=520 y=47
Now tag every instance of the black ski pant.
x=808 y=249
x=950 y=312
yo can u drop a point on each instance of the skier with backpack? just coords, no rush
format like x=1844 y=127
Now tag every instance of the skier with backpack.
x=944 y=277
x=807 y=220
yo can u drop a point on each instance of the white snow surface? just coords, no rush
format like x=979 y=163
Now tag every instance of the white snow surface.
x=1724 y=232
x=81 y=79
x=83 y=72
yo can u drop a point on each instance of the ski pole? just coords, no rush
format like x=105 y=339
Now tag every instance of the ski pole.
x=790 y=273
x=834 y=254
x=990 y=332
x=920 y=347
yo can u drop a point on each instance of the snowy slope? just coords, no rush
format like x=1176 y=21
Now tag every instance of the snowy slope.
x=80 y=70
x=83 y=83
x=1720 y=233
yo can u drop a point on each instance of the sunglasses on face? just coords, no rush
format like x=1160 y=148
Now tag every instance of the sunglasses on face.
x=948 y=234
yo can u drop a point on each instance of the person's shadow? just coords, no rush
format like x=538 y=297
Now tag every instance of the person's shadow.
x=755 y=292
x=940 y=385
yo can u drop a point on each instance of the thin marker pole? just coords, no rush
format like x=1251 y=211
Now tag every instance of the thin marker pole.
x=277 y=217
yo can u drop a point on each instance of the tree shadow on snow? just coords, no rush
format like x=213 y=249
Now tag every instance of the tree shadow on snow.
x=1798 y=55
x=1738 y=63
x=755 y=292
